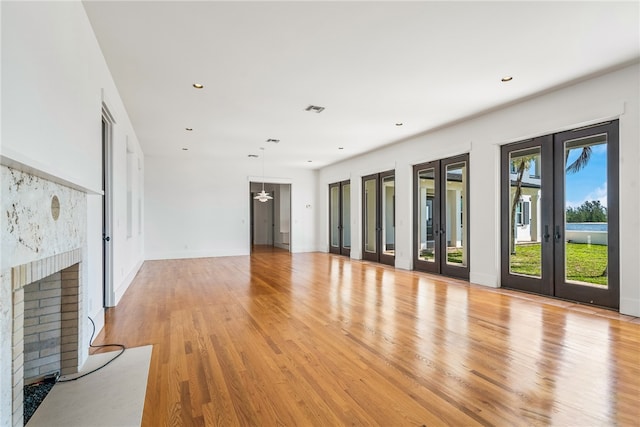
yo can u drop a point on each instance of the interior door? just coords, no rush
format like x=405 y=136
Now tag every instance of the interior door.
x=441 y=216
x=378 y=217
x=560 y=215
x=108 y=293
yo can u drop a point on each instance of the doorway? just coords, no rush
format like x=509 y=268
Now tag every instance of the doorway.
x=441 y=216
x=559 y=203
x=270 y=222
x=340 y=218
x=378 y=217
x=263 y=223
x=108 y=293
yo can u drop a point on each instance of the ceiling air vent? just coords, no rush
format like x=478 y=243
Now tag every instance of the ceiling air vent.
x=314 y=108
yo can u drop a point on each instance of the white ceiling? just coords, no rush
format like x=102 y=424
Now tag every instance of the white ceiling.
x=370 y=64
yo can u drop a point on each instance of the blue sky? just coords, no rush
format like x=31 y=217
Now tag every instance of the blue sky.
x=589 y=183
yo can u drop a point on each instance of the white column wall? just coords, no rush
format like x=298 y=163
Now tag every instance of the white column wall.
x=610 y=96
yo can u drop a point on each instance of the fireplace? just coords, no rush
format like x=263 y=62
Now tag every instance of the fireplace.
x=43 y=313
x=46 y=314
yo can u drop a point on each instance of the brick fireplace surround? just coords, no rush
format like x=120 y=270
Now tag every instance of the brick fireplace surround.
x=46 y=309
x=42 y=281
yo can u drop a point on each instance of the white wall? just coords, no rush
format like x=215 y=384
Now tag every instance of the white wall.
x=54 y=80
x=199 y=207
x=614 y=95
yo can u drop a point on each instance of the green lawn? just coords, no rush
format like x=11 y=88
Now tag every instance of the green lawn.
x=585 y=263
x=454 y=255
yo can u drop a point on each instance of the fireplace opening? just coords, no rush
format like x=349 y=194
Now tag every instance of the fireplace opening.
x=34 y=394
x=50 y=334
x=46 y=328
x=51 y=325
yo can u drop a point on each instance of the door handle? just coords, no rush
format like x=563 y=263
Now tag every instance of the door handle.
x=546 y=233
x=557 y=234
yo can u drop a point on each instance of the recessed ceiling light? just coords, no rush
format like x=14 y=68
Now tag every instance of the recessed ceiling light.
x=253 y=156
x=399 y=124
x=185 y=149
x=275 y=141
x=340 y=148
x=309 y=161
x=198 y=85
x=188 y=129
x=507 y=78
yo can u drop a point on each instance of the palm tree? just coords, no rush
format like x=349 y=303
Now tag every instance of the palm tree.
x=579 y=163
x=523 y=163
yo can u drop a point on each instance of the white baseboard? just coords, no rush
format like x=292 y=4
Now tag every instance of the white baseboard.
x=124 y=285
x=403 y=263
x=483 y=279
x=98 y=320
x=194 y=254
x=303 y=249
x=630 y=306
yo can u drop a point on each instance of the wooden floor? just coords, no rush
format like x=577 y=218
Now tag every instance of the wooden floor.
x=317 y=339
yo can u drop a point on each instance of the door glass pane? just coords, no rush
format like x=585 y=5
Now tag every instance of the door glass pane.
x=455 y=208
x=346 y=215
x=370 y=215
x=388 y=215
x=334 y=203
x=586 y=220
x=426 y=194
x=525 y=220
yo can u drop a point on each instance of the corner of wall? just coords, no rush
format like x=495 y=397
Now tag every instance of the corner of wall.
x=98 y=320
x=488 y=280
x=630 y=306
x=403 y=263
x=126 y=282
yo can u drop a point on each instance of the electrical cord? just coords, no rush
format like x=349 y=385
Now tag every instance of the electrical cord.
x=122 y=347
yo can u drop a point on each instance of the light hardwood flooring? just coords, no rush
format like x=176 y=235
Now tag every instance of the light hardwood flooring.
x=318 y=339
